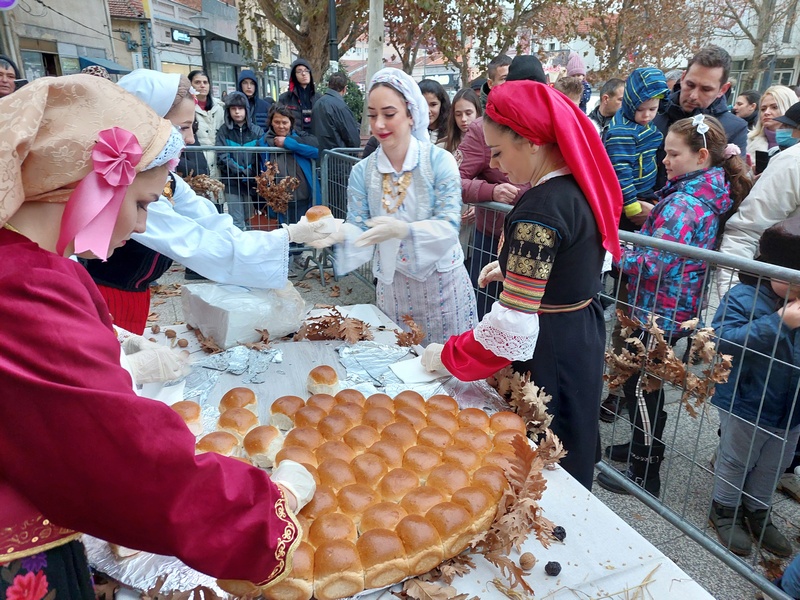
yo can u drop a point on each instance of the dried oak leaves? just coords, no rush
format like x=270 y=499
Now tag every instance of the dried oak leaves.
x=659 y=363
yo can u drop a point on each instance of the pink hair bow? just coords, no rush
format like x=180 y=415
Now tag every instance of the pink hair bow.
x=732 y=150
x=93 y=207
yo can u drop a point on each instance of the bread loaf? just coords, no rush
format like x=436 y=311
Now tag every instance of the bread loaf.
x=323 y=380
x=369 y=469
x=379 y=401
x=315 y=213
x=507 y=420
x=262 y=444
x=191 y=414
x=421 y=460
x=283 y=411
x=239 y=397
x=309 y=416
x=377 y=417
x=307 y=437
x=323 y=400
x=349 y=395
x=323 y=502
x=401 y=433
x=335 y=449
x=353 y=411
x=220 y=442
x=237 y=421
x=409 y=399
x=397 y=483
x=361 y=437
x=331 y=526
x=335 y=473
x=334 y=426
x=444 y=419
x=473 y=417
x=441 y=402
x=435 y=437
x=298 y=454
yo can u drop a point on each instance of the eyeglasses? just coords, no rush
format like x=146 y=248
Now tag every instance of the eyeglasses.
x=302 y=72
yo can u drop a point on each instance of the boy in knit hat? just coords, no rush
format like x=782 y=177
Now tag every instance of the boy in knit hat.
x=758 y=323
x=576 y=68
x=632 y=140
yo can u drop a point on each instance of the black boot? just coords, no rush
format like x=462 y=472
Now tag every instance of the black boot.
x=643 y=470
x=618 y=452
x=611 y=407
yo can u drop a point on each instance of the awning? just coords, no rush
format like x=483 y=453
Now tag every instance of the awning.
x=108 y=65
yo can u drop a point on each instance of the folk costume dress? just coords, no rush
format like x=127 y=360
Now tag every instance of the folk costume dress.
x=548 y=320
x=79 y=451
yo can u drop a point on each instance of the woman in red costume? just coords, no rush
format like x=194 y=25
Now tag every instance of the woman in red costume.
x=79 y=452
x=548 y=320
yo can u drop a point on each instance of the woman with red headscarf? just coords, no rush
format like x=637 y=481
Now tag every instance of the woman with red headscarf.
x=548 y=320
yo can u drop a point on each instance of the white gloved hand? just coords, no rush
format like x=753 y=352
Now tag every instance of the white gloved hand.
x=490 y=273
x=153 y=363
x=297 y=480
x=337 y=237
x=305 y=232
x=432 y=358
x=382 y=229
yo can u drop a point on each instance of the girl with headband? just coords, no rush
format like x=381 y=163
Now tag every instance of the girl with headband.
x=707 y=180
x=80 y=452
x=404 y=207
x=186 y=227
x=548 y=320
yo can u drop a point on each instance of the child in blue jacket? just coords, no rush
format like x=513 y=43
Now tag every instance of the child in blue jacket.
x=758 y=323
x=632 y=140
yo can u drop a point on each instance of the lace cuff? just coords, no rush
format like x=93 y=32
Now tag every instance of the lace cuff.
x=508 y=333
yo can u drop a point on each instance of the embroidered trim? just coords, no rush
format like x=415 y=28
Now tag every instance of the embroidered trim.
x=523 y=294
x=31 y=537
x=504 y=344
x=287 y=542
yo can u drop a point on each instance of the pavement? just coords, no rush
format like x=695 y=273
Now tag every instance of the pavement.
x=687 y=478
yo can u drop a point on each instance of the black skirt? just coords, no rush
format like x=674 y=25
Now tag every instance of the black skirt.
x=58 y=574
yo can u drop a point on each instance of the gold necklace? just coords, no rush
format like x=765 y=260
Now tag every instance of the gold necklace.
x=395 y=193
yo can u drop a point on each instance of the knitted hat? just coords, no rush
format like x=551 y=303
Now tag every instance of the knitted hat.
x=575 y=65
x=780 y=244
x=526 y=67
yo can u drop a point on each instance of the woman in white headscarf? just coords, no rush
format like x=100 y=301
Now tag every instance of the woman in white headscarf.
x=404 y=209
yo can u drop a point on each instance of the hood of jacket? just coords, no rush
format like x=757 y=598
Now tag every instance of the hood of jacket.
x=293 y=78
x=707 y=185
x=642 y=85
x=248 y=74
x=238 y=99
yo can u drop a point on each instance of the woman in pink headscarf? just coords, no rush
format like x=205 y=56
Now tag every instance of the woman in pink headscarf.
x=548 y=320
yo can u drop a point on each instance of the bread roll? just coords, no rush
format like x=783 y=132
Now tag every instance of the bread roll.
x=317 y=212
x=369 y=469
x=390 y=452
x=445 y=420
x=435 y=437
x=354 y=412
x=333 y=427
x=492 y=479
x=323 y=502
x=480 y=504
x=461 y=455
x=361 y=437
x=473 y=417
x=383 y=558
x=507 y=420
x=448 y=478
x=305 y=524
x=379 y=401
x=238 y=421
x=397 y=483
x=421 y=500
x=335 y=449
x=504 y=461
x=506 y=436
x=422 y=543
x=335 y=473
x=307 y=437
x=323 y=380
x=452 y=521
x=349 y=395
x=442 y=402
x=401 y=433
x=411 y=399
x=474 y=438
x=297 y=454
x=378 y=418
x=421 y=460
x=239 y=397
x=324 y=401
x=191 y=414
x=411 y=415
x=329 y=527
x=309 y=416
x=299 y=585
x=384 y=515
x=354 y=499
x=220 y=442
x=262 y=445
x=337 y=571
x=283 y=411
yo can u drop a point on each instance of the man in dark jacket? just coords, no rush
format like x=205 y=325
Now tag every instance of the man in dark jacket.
x=702 y=89
x=238 y=169
x=302 y=94
x=332 y=123
x=497 y=73
x=259 y=107
x=610 y=102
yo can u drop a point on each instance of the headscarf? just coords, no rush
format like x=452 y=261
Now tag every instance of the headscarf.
x=156 y=89
x=415 y=101
x=80 y=140
x=97 y=71
x=543 y=115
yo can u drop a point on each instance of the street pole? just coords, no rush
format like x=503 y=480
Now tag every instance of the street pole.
x=332 y=33
x=375 y=56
